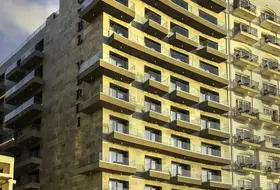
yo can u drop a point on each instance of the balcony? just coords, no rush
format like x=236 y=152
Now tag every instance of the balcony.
x=270 y=22
x=100 y=163
x=136 y=138
x=158 y=86
x=271 y=45
x=245 y=60
x=180 y=38
x=214 y=5
x=212 y=52
x=244 y=10
x=184 y=125
x=155 y=25
x=272 y=146
x=32 y=57
x=157 y=173
x=271 y=95
x=214 y=105
x=135 y=46
x=180 y=10
x=272 y=171
x=104 y=97
x=270 y=70
x=27 y=165
x=186 y=178
x=246 y=87
x=246 y=113
x=155 y=115
x=121 y=9
x=188 y=97
x=24 y=114
x=215 y=131
x=217 y=183
x=103 y=64
x=268 y=121
x=25 y=88
x=28 y=137
x=248 y=142
x=14 y=72
x=246 y=34
x=248 y=166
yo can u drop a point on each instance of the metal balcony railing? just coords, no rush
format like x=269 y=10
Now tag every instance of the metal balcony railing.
x=268 y=16
x=248 y=163
x=244 y=28
x=246 y=82
x=246 y=109
x=270 y=39
x=245 y=5
x=248 y=137
x=245 y=55
x=270 y=64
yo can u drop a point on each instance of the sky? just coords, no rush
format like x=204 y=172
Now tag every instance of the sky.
x=19 y=19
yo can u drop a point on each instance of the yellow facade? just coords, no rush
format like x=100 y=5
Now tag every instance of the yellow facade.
x=7 y=172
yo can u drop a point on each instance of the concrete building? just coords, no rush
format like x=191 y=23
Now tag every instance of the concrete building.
x=146 y=94
x=6 y=172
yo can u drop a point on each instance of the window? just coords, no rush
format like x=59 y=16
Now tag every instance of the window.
x=152 y=45
x=152 y=164
x=180 y=30
x=181 y=115
x=148 y=187
x=181 y=3
x=180 y=142
x=153 y=16
x=211 y=175
x=179 y=56
x=208 y=95
x=118 y=185
x=152 y=74
x=119 y=61
x=152 y=134
x=180 y=169
x=124 y=2
x=210 y=123
x=152 y=105
x=209 y=68
x=119 y=125
x=210 y=149
x=177 y=84
x=119 y=93
x=119 y=29
x=208 y=17
x=117 y=156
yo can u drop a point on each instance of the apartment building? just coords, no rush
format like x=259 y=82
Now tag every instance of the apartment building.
x=6 y=172
x=146 y=94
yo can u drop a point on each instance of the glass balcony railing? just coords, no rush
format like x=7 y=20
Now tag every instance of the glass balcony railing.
x=245 y=55
x=180 y=30
x=181 y=3
x=25 y=80
x=156 y=77
x=213 y=45
x=154 y=17
x=245 y=5
x=155 y=167
x=167 y=52
x=216 y=178
x=126 y=3
x=185 y=173
x=192 y=91
x=32 y=49
x=21 y=108
x=246 y=82
x=245 y=28
x=215 y=126
x=11 y=67
x=213 y=98
x=109 y=59
x=155 y=108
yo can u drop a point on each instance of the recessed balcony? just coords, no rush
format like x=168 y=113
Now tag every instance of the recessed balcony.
x=271 y=45
x=25 y=88
x=105 y=97
x=248 y=166
x=246 y=113
x=157 y=173
x=135 y=46
x=28 y=164
x=180 y=38
x=270 y=22
x=212 y=52
x=270 y=70
x=159 y=86
x=246 y=34
x=214 y=5
x=188 y=97
x=155 y=25
x=14 y=72
x=156 y=115
x=217 y=183
x=246 y=87
x=186 y=178
x=185 y=125
x=32 y=57
x=244 y=9
x=111 y=66
x=214 y=105
x=272 y=146
x=24 y=114
x=248 y=142
x=215 y=131
x=137 y=139
x=180 y=10
x=100 y=163
x=121 y=9
x=271 y=95
x=245 y=60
